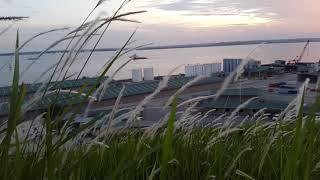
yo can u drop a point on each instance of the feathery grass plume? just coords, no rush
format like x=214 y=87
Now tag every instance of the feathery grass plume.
x=41 y=34
x=228 y=123
x=13 y=18
x=206 y=115
x=182 y=89
x=224 y=115
x=241 y=106
x=258 y=114
x=115 y=108
x=69 y=44
x=6 y=29
x=235 y=75
x=245 y=119
x=244 y=175
x=235 y=161
x=99 y=3
x=32 y=132
x=294 y=102
x=197 y=99
x=107 y=22
x=185 y=115
x=241 y=69
x=191 y=121
x=69 y=59
x=110 y=118
x=103 y=86
x=96 y=45
x=122 y=53
x=78 y=47
x=300 y=96
x=222 y=134
x=63 y=140
x=162 y=84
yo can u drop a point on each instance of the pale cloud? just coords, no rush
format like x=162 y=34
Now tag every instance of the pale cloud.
x=175 y=21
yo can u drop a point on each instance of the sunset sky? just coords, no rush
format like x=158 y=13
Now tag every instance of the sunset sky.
x=171 y=21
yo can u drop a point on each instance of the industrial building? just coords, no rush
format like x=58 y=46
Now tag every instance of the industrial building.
x=252 y=64
x=229 y=65
x=148 y=74
x=202 y=69
x=134 y=93
x=231 y=99
x=306 y=67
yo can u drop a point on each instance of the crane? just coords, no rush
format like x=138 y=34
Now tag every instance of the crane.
x=299 y=58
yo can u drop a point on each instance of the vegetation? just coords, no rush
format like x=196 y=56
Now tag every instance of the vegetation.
x=172 y=149
x=13 y=18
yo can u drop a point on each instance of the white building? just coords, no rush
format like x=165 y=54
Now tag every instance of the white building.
x=137 y=75
x=190 y=70
x=202 y=69
x=216 y=67
x=148 y=74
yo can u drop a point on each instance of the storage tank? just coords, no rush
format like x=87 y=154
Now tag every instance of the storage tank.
x=216 y=67
x=148 y=74
x=189 y=70
x=137 y=75
x=229 y=65
x=199 y=69
x=207 y=70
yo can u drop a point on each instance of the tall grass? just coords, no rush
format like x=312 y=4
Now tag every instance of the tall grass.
x=48 y=147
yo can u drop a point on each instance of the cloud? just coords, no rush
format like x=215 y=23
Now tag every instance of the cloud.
x=216 y=7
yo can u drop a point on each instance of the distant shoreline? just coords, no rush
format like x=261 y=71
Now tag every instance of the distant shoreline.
x=198 y=45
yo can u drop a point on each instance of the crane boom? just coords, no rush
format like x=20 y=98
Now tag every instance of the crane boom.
x=303 y=52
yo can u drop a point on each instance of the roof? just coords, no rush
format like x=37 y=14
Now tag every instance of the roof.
x=67 y=84
x=259 y=69
x=243 y=92
x=255 y=104
x=111 y=92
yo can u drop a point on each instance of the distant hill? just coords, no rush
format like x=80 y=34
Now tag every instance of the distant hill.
x=230 y=43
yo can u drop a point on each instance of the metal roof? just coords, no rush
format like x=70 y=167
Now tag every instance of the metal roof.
x=256 y=104
x=243 y=92
x=67 y=84
x=261 y=69
x=112 y=92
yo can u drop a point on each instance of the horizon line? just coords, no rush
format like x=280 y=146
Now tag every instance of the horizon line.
x=181 y=46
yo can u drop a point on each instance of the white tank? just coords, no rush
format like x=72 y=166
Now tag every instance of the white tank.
x=216 y=67
x=188 y=70
x=137 y=75
x=207 y=70
x=230 y=65
x=199 y=70
x=194 y=70
x=148 y=74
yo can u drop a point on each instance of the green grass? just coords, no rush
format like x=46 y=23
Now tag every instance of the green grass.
x=180 y=156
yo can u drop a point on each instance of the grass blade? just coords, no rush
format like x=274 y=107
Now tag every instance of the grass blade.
x=167 y=151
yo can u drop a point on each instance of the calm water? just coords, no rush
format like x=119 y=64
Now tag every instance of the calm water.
x=162 y=61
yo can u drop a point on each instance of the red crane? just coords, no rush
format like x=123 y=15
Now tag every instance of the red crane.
x=299 y=58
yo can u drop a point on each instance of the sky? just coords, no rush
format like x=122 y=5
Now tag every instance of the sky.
x=168 y=21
